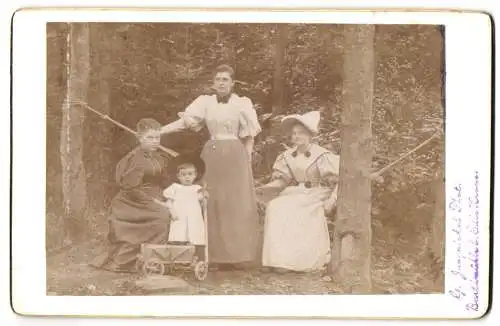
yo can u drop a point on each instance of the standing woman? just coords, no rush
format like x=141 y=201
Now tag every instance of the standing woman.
x=296 y=234
x=233 y=224
x=135 y=217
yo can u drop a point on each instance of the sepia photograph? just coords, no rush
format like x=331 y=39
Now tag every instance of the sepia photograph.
x=244 y=158
x=251 y=163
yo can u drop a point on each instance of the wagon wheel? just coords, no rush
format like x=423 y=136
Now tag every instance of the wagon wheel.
x=201 y=270
x=194 y=261
x=169 y=268
x=139 y=264
x=153 y=267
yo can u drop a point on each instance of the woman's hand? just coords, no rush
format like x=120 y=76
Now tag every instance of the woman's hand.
x=248 y=143
x=269 y=191
x=159 y=202
x=329 y=205
x=202 y=195
x=261 y=190
x=166 y=206
x=190 y=122
x=273 y=185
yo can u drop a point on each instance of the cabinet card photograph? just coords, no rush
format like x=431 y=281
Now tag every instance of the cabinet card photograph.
x=251 y=163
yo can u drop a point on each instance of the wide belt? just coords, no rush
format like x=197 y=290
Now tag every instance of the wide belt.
x=223 y=137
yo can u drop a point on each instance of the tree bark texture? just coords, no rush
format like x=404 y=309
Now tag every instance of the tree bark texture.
x=438 y=232
x=99 y=136
x=71 y=144
x=278 y=90
x=352 y=244
x=56 y=86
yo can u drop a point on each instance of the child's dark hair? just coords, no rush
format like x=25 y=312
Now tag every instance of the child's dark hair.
x=186 y=165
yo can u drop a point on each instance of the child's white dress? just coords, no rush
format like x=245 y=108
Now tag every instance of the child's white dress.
x=190 y=225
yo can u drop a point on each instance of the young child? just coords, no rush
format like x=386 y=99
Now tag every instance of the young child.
x=184 y=200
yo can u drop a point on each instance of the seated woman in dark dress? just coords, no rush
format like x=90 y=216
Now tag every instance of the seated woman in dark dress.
x=135 y=217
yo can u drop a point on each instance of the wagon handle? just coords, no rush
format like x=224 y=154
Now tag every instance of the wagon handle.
x=205 y=216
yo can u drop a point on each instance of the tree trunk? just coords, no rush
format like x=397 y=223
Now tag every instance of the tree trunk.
x=438 y=233
x=71 y=145
x=99 y=136
x=56 y=86
x=351 y=257
x=278 y=92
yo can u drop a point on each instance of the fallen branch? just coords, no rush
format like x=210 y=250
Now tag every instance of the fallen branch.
x=377 y=174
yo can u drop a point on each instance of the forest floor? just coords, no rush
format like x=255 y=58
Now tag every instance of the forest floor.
x=398 y=266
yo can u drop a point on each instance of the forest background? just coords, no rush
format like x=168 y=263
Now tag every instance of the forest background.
x=132 y=71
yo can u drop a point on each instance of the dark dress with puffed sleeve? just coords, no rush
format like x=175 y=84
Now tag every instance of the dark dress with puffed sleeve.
x=134 y=217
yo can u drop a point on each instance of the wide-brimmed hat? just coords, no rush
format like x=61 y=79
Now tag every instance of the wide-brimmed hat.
x=191 y=157
x=309 y=120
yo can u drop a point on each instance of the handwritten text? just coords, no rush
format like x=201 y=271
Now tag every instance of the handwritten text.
x=464 y=209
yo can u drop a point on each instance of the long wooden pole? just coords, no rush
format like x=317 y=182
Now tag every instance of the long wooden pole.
x=106 y=117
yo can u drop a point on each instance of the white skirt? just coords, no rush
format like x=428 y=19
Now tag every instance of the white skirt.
x=296 y=232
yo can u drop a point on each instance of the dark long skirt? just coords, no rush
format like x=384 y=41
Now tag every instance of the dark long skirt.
x=133 y=220
x=233 y=223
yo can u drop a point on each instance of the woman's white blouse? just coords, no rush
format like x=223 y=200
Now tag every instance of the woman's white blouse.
x=236 y=118
x=319 y=167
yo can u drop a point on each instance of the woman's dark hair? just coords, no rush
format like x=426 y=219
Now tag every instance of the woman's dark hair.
x=224 y=68
x=147 y=124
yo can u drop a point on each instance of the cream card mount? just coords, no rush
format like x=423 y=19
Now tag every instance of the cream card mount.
x=404 y=100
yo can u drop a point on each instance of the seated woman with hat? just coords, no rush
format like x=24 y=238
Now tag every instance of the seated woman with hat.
x=296 y=235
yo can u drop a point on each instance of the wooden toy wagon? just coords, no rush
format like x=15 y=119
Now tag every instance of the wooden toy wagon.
x=161 y=259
